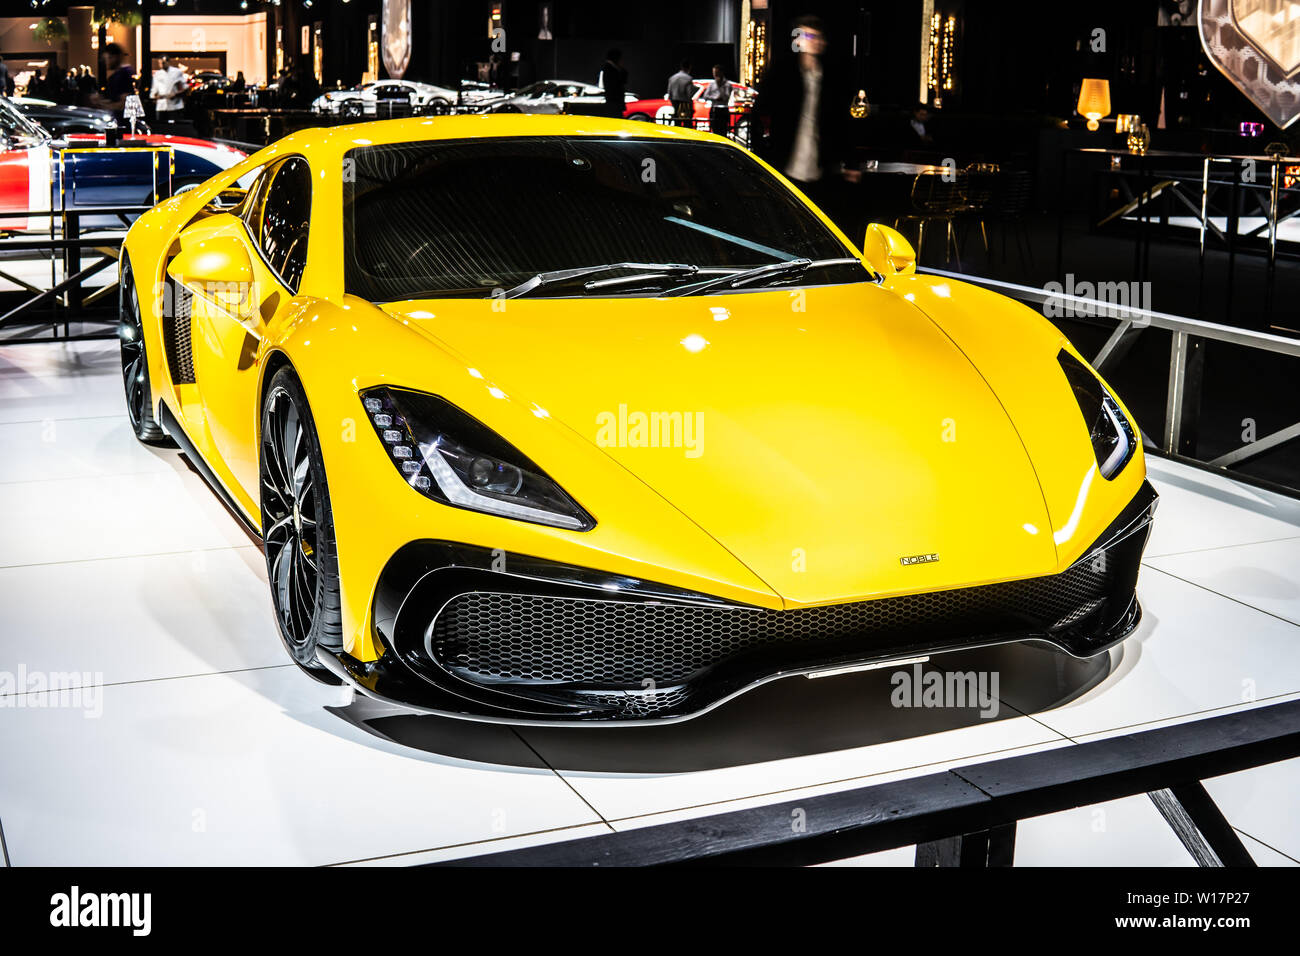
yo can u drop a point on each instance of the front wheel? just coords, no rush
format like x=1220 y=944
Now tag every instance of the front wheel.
x=298 y=528
x=135 y=365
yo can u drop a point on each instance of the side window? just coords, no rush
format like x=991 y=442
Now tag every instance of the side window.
x=251 y=209
x=281 y=221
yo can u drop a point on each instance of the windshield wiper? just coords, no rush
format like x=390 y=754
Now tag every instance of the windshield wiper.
x=763 y=273
x=664 y=269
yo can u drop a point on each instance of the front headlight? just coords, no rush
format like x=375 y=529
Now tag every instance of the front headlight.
x=1113 y=437
x=451 y=457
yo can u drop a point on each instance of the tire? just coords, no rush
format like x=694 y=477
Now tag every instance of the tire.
x=641 y=118
x=298 y=528
x=135 y=365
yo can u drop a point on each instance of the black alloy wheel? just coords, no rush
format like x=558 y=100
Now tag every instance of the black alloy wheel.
x=135 y=365
x=298 y=528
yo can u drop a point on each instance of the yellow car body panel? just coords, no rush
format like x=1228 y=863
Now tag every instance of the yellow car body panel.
x=843 y=428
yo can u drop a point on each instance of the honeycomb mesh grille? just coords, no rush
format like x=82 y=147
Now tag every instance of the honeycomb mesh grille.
x=176 y=328
x=498 y=636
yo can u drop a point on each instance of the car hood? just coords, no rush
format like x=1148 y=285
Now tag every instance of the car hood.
x=834 y=439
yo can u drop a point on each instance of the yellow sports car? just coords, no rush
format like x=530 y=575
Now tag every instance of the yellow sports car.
x=567 y=419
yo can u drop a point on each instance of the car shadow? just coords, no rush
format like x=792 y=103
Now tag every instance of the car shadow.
x=793 y=717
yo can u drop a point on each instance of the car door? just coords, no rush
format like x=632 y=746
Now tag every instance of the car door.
x=272 y=226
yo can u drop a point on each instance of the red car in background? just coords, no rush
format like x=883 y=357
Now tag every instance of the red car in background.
x=741 y=105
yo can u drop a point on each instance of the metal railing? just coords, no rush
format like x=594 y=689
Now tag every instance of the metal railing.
x=67 y=299
x=1186 y=366
x=48 y=314
x=966 y=816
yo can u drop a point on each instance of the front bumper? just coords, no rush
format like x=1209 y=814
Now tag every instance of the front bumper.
x=485 y=635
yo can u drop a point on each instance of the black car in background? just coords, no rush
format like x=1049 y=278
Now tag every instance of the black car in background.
x=59 y=120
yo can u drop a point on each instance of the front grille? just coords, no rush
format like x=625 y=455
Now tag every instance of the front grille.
x=517 y=637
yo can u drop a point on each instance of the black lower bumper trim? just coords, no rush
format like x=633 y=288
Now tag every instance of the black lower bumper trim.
x=473 y=633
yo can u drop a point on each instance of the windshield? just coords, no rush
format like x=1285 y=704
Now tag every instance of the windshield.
x=16 y=130
x=477 y=217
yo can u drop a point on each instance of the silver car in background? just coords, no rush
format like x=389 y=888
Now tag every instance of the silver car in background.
x=549 y=96
x=364 y=100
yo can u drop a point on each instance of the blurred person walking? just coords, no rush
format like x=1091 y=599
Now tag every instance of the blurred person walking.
x=681 y=90
x=613 y=80
x=120 y=83
x=809 y=134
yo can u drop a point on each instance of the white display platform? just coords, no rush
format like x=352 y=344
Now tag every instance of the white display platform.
x=204 y=746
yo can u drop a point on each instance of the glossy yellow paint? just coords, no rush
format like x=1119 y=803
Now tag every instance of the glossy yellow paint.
x=833 y=430
x=887 y=251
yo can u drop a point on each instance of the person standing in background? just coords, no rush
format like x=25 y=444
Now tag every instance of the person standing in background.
x=168 y=91
x=4 y=78
x=681 y=89
x=921 y=116
x=718 y=95
x=613 y=80
x=804 y=101
x=85 y=84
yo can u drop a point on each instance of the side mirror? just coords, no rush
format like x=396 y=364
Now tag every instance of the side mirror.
x=218 y=269
x=887 y=251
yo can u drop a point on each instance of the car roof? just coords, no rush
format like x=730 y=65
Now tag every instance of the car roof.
x=468 y=126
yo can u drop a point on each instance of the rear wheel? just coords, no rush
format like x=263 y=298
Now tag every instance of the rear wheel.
x=298 y=528
x=135 y=365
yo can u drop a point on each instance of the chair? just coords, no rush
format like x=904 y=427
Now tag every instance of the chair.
x=937 y=198
x=982 y=180
x=1010 y=202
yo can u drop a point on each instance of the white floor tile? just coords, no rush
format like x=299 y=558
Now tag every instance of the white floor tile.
x=1263 y=803
x=251 y=769
x=57 y=381
x=1200 y=510
x=119 y=516
x=1127 y=832
x=1261 y=575
x=1193 y=652
x=465 y=851
x=817 y=790
x=140 y=618
x=789 y=735
x=55 y=449
x=1265 y=855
